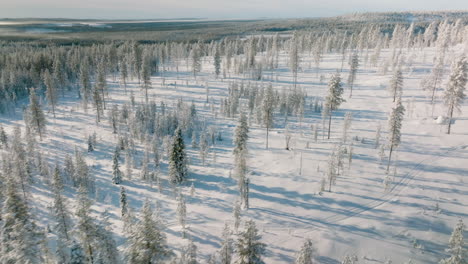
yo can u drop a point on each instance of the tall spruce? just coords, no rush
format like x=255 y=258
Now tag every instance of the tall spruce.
x=178 y=168
x=147 y=242
x=457 y=250
x=248 y=247
x=334 y=97
x=51 y=90
x=394 y=126
x=353 y=67
x=396 y=84
x=19 y=235
x=455 y=91
x=35 y=116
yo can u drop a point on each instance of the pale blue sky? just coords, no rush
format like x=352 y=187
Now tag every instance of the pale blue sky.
x=138 y=9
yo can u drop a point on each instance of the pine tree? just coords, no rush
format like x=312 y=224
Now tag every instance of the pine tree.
x=294 y=57
x=394 y=123
x=146 y=75
x=268 y=104
x=123 y=73
x=178 y=159
x=241 y=136
x=236 y=211
x=86 y=227
x=457 y=249
x=431 y=84
x=195 y=58
x=101 y=83
x=306 y=254
x=217 y=61
x=396 y=84
x=146 y=241
x=3 y=138
x=226 y=250
x=334 y=97
x=62 y=217
x=191 y=253
x=90 y=144
x=181 y=210
x=77 y=255
x=85 y=82
x=123 y=202
x=116 y=173
x=454 y=93
x=98 y=103
x=248 y=247
x=19 y=235
x=51 y=91
x=107 y=252
x=36 y=118
x=354 y=64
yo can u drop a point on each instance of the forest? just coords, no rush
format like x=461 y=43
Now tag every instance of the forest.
x=325 y=140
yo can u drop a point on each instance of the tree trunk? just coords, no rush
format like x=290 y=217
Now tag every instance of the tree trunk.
x=267 y=137
x=450 y=120
x=389 y=158
x=329 y=125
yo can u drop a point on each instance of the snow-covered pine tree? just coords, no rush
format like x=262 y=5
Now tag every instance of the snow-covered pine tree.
x=457 y=250
x=455 y=91
x=147 y=242
x=101 y=83
x=116 y=173
x=123 y=72
x=181 y=210
x=241 y=136
x=353 y=67
x=306 y=254
x=394 y=126
x=332 y=169
x=51 y=91
x=203 y=147
x=334 y=97
x=190 y=253
x=107 y=249
x=226 y=250
x=86 y=227
x=431 y=84
x=146 y=74
x=294 y=56
x=249 y=249
x=236 y=211
x=268 y=105
x=178 y=170
x=396 y=84
x=123 y=202
x=346 y=125
x=85 y=82
x=35 y=117
x=77 y=255
x=62 y=217
x=377 y=135
x=3 y=138
x=90 y=144
x=217 y=61
x=19 y=235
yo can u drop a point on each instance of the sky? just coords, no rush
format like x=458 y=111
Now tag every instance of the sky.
x=214 y=9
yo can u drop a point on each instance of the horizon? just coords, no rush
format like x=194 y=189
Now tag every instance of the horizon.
x=211 y=9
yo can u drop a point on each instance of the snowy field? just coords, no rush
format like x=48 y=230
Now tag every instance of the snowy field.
x=411 y=219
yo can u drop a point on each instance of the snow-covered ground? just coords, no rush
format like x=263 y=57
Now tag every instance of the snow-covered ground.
x=412 y=220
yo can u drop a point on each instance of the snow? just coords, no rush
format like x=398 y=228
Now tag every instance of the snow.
x=357 y=217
